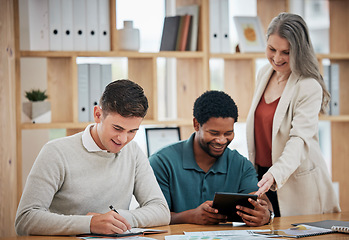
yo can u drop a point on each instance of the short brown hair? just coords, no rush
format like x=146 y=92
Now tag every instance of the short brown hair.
x=124 y=97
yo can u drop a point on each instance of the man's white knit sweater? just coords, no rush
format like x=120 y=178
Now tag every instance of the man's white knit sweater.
x=67 y=181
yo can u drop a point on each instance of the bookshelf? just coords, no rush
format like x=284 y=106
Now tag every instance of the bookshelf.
x=192 y=79
x=339 y=49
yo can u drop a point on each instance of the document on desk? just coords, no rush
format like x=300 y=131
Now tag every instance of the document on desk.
x=225 y=235
x=296 y=232
x=128 y=234
x=123 y=238
x=221 y=233
x=228 y=237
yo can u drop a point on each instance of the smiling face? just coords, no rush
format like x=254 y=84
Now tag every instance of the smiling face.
x=113 y=131
x=277 y=52
x=215 y=135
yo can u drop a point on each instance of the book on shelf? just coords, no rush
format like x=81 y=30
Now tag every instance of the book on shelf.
x=192 y=10
x=169 y=33
x=183 y=33
x=179 y=32
x=176 y=33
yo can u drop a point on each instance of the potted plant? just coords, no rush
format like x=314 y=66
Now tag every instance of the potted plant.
x=37 y=109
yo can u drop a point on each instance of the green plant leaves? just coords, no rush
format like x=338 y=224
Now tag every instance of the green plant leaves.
x=36 y=95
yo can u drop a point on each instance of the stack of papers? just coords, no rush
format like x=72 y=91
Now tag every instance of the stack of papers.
x=219 y=235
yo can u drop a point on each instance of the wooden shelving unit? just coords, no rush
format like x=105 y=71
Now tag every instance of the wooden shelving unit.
x=192 y=80
x=339 y=49
x=166 y=54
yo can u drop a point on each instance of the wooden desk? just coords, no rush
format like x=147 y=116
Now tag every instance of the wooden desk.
x=279 y=223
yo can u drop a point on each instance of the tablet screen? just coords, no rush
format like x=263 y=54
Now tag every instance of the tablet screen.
x=226 y=204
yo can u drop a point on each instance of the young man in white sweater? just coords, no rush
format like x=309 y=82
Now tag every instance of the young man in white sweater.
x=75 y=179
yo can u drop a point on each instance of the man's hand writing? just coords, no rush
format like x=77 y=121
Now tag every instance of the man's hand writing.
x=108 y=223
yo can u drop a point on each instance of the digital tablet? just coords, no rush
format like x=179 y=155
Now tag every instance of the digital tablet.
x=226 y=204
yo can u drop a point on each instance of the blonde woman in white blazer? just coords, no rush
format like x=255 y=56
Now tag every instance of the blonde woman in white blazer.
x=282 y=124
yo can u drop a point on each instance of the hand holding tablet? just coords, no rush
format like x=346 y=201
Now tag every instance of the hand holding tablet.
x=226 y=204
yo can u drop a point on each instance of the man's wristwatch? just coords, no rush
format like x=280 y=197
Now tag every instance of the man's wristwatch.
x=272 y=215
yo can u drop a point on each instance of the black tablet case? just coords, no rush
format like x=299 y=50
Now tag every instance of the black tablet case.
x=226 y=204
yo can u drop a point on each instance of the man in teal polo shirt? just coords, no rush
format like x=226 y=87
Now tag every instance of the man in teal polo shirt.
x=191 y=171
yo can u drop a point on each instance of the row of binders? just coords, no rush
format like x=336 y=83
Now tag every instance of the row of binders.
x=69 y=25
x=219 y=26
x=92 y=80
x=180 y=32
x=331 y=78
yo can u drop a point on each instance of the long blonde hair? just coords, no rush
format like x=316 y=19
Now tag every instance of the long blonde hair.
x=303 y=60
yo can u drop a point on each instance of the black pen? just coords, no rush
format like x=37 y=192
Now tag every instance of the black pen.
x=113 y=209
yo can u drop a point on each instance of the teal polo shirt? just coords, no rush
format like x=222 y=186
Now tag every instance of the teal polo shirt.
x=186 y=186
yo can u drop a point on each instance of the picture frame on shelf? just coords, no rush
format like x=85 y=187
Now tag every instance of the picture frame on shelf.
x=250 y=34
x=160 y=137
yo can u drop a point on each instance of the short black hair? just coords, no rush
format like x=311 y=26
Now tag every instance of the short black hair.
x=214 y=104
x=124 y=97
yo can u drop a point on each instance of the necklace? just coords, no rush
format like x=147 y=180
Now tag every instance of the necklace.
x=281 y=80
